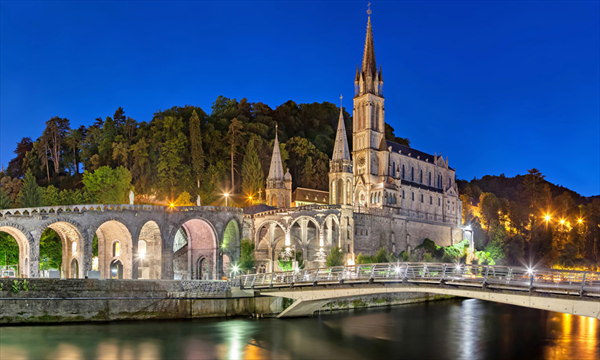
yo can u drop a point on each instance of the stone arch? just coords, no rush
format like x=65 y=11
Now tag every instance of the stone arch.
x=330 y=229
x=73 y=246
x=231 y=235
x=24 y=241
x=149 y=262
x=108 y=233
x=202 y=244
x=257 y=236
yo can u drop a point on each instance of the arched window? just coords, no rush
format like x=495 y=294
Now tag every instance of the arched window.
x=393 y=169
x=274 y=200
x=142 y=249
x=429 y=181
x=403 y=194
x=412 y=196
x=430 y=200
x=421 y=197
x=116 y=249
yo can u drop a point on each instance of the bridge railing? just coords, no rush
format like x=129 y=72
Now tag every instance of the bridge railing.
x=567 y=282
x=45 y=210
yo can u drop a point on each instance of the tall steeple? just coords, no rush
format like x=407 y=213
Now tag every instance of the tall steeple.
x=340 y=149
x=368 y=80
x=276 y=169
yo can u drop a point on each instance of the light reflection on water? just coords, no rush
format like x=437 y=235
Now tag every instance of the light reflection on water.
x=456 y=329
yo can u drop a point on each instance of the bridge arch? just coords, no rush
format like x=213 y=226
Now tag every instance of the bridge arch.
x=24 y=241
x=73 y=246
x=201 y=250
x=115 y=246
x=149 y=251
x=330 y=230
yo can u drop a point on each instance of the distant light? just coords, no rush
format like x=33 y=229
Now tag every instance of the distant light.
x=547 y=217
x=529 y=271
x=235 y=268
x=562 y=221
x=226 y=194
x=580 y=221
x=249 y=197
x=172 y=205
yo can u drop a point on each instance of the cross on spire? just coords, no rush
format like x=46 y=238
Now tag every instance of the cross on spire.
x=341 y=97
x=369 y=9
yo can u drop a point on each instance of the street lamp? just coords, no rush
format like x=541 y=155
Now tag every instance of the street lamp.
x=547 y=217
x=580 y=221
x=226 y=197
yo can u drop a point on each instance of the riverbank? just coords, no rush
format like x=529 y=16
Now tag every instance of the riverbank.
x=81 y=300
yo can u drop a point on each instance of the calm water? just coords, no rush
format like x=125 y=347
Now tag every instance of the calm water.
x=457 y=329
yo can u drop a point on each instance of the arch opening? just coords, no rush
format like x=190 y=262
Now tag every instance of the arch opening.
x=197 y=255
x=149 y=252
x=16 y=252
x=115 y=250
x=63 y=240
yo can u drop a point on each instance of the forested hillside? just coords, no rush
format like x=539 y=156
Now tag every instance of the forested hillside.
x=525 y=220
x=185 y=149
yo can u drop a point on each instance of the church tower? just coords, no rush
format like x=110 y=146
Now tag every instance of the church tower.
x=340 y=167
x=369 y=122
x=279 y=186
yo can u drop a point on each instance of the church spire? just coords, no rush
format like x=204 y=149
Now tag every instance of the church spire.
x=276 y=169
x=369 y=66
x=341 y=150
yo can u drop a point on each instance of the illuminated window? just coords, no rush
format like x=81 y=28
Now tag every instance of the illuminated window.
x=116 y=249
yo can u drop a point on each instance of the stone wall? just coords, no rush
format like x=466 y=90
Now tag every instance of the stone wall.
x=396 y=233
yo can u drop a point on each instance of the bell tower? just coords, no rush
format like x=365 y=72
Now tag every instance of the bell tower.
x=369 y=120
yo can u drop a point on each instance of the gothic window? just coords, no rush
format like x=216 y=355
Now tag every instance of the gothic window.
x=116 y=249
x=393 y=169
x=449 y=182
x=412 y=174
x=430 y=200
x=413 y=196
x=439 y=202
x=421 y=177
x=421 y=197
x=403 y=194
x=429 y=181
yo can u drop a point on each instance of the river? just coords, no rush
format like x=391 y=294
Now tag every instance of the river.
x=453 y=329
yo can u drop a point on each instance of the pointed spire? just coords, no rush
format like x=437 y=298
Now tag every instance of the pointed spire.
x=357 y=73
x=380 y=74
x=369 y=67
x=341 y=150
x=276 y=169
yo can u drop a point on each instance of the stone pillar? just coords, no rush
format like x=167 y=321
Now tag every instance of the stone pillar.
x=166 y=257
x=32 y=261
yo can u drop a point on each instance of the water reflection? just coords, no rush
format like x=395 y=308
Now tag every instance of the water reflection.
x=460 y=329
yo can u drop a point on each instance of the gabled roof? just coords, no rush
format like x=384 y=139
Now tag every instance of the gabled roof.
x=413 y=152
x=310 y=195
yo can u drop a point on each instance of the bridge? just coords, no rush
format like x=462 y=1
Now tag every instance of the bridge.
x=133 y=241
x=572 y=292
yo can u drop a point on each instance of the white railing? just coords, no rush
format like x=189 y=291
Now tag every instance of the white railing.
x=566 y=282
x=112 y=207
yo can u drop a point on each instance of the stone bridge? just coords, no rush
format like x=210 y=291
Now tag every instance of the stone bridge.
x=133 y=241
x=310 y=230
x=572 y=292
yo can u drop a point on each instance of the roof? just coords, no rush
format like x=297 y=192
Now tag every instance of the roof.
x=309 y=195
x=276 y=169
x=405 y=150
x=255 y=209
x=340 y=150
x=369 y=66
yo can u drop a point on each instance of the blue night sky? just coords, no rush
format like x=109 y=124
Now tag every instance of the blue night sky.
x=498 y=87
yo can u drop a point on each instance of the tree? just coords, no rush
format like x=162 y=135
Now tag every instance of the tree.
x=247 y=259
x=108 y=186
x=15 y=166
x=41 y=147
x=184 y=199
x=30 y=194
x=56 y=129
x=196 y=147
x=533 y=184
x=9 y=250
x=51 y=248
x=489 y=209
x=171 y=167
x=5 y=201
x=50 y=196
x=73 y=139
x=252 y=174
x=335 y=257
x=234 y=138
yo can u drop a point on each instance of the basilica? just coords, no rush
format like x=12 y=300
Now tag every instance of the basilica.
x=389 y=194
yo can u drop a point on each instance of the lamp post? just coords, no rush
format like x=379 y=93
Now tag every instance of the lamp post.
x=226 y=197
